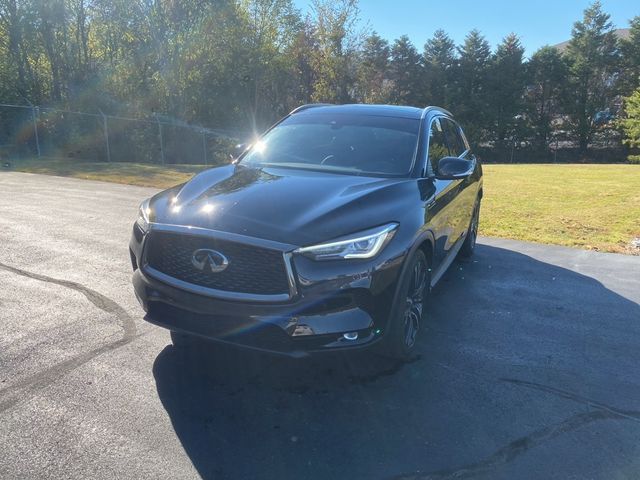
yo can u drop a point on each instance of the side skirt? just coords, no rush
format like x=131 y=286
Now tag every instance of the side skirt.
x=446 y=263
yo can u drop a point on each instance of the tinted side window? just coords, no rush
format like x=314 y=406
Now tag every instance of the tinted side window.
x=437 y=143
x=454 y=137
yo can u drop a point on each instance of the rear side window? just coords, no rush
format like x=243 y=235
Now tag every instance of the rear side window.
x=456 y=143
x=437 y=143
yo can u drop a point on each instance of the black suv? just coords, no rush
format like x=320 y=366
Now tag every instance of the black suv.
x=325 y=233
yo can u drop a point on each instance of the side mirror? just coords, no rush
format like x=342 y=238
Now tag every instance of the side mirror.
x=453 y=168
x=238 y=150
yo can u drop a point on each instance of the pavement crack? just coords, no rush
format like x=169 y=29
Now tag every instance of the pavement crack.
x=506 y=454
x=514 y=449
x=103 y=303
x=48 y=376
x=630 y=415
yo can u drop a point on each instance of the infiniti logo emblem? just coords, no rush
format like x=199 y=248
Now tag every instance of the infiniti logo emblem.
x=209 y=260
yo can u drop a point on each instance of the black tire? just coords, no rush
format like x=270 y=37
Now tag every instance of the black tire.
x=469 y=245
x=408 y=315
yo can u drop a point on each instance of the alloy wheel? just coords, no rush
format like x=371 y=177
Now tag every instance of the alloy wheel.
x=414 y=303
x=473 y=231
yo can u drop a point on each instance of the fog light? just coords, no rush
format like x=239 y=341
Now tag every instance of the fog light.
x=350 y=336
x=302 y=330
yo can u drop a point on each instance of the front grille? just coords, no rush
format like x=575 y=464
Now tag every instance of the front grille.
x=251 y=269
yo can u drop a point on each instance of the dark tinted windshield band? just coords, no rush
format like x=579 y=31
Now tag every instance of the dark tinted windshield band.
x=407 y=125
x=356 y=144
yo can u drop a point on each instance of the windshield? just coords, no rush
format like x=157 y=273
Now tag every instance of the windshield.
x=356 y=144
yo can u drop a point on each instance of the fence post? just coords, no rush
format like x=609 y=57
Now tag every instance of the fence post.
x=204 y=148
x=35 y=114
x=106 y=134
x=161 y=141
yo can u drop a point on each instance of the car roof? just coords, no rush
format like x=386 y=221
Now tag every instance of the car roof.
x=361 y=109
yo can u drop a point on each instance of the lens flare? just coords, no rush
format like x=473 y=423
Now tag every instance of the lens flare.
x=260 y=146
x=208 y=208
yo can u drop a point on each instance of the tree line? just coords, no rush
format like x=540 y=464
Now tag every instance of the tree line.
x=245 y=63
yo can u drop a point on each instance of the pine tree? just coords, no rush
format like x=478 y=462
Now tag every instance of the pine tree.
x=593 y=54
x=546 y=77
x=630 y=49
x=440 y=62
x=631 y=123
x=506 y=91
x=406 y=72
x=471 y=102
x=373 y=82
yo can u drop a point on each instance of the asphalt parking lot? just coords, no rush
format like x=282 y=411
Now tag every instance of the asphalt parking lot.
x=529 y=368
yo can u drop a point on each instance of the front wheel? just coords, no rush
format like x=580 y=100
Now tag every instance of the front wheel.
x=469 y=245
x=409 y=316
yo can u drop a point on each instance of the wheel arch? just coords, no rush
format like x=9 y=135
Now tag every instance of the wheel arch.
x=427 y=247
x=425 y=242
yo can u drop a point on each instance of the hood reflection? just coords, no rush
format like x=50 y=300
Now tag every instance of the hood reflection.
x=242 y=177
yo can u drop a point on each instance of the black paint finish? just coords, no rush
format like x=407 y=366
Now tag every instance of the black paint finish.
x=286 y=208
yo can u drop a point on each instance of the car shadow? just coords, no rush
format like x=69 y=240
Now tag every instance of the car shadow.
x=500 y=319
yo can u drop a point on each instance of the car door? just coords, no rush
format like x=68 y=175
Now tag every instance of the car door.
x=466 y=189
x=441 y=207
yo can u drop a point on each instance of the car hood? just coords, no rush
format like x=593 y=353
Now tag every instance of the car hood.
x=293 y=206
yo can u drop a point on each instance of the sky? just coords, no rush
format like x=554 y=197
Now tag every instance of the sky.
x=538 y=23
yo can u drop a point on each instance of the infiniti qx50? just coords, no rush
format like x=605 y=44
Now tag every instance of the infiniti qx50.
x=325 y=233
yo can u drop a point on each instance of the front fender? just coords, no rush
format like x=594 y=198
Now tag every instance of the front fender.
x=423 y=239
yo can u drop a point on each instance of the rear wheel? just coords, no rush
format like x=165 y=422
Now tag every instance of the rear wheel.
x=409 y=316
x=469 y=245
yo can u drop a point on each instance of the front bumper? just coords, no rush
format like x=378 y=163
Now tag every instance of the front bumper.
x=332 y=298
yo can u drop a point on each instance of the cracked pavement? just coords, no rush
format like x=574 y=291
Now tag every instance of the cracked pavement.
x=528 y=368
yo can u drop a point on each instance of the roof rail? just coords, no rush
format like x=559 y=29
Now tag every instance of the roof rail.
x=308 y=106
x=430 y=108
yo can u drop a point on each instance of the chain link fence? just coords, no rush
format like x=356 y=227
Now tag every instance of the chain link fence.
x=28 y=131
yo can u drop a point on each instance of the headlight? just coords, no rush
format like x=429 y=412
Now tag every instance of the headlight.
x=365 y=244
x=143 y=216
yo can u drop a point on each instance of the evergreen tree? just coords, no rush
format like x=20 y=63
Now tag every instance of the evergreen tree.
x=506 y=83
x=373 y=70
x=592 y=53
x=630 y=49
x=546 y=75
x=440 y=62
x=631 y=123
x=406 y=72
x=471 y=101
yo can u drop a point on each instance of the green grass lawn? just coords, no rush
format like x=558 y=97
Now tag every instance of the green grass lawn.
x=143 y=174
x=587 y=206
